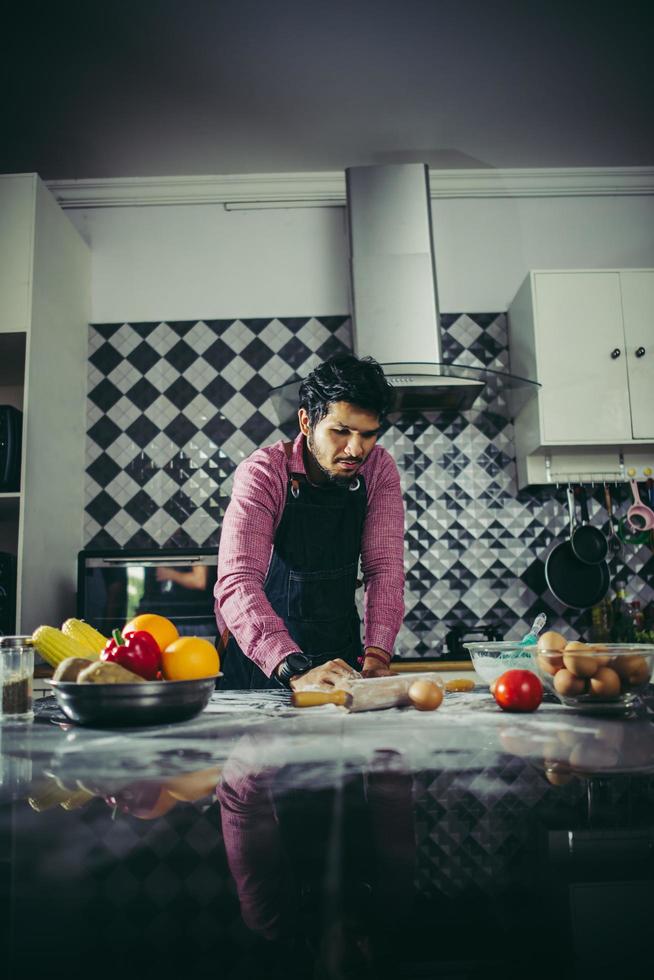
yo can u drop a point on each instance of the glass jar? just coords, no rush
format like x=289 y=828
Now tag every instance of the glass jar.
x=16 y=678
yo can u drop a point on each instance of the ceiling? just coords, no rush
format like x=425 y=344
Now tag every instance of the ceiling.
x=131 y=88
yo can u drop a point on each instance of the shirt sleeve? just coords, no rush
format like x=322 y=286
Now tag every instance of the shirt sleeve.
x=246 y=541
x=382 y=555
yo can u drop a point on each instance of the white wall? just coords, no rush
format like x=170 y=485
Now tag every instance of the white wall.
x=194 y=261
x=484 y=248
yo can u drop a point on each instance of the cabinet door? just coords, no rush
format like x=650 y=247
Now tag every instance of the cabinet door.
x=638 y=309
x=584 y=398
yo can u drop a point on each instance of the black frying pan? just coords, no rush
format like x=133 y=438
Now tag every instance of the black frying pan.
x=588 y=542
x=573 y=582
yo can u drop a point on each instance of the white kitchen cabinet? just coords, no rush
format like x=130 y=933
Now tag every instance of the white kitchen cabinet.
x=588 y=337
x=44 y=316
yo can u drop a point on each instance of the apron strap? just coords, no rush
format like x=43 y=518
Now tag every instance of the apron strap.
x=221 y=645
x=295 y=482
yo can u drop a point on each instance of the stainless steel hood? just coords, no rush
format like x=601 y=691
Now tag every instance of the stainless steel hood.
x=395 y=298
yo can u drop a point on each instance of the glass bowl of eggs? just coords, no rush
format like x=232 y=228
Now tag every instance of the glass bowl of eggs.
x=593 y=677
x=491 y=659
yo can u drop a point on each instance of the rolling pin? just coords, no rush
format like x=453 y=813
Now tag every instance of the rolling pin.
x=370 y=694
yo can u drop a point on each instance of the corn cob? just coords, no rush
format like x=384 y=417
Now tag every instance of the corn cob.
x=54 y=646
x=47 y=795
x=76 y=799
x=85 y=634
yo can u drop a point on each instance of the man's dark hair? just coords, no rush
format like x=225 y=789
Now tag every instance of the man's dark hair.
x=346 y=378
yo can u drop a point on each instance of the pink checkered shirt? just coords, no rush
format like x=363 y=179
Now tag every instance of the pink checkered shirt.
x=246 y=541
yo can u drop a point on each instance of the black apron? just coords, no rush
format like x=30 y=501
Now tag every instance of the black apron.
x=311 y=578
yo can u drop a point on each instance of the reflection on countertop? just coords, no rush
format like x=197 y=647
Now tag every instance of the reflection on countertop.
x=263 y=840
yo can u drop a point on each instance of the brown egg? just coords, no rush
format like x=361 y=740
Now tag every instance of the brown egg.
x=425 y=695
x=635 y=670
x=554 y=750
x=515 y=743
x=567 y=684
x=599 y=648
x=556 y=773
x=551 y=642
x=577 y=663
x=592 y=754
x=605 y=683
x=550 y=662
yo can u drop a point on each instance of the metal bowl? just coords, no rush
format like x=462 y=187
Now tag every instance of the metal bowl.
x=116 y=705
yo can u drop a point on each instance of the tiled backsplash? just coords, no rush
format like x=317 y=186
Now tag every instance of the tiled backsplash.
x=174 y=407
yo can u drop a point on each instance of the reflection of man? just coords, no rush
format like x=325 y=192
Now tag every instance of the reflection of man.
x=195 y=577
x=301 y=516
x=328 y=868
x=183 y=593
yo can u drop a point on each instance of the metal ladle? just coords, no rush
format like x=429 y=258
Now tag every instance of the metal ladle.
x=615 y=544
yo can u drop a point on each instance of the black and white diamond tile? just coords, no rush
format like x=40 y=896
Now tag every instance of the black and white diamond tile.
x=174 y=407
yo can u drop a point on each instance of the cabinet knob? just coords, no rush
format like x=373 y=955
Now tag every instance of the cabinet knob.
x=640 y=352
x=615 y=353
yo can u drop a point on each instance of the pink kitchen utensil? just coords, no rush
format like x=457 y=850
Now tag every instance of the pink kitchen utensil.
x=640 y=517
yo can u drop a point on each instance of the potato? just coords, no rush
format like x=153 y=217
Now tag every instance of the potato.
x=69 y=669
x=105 y=673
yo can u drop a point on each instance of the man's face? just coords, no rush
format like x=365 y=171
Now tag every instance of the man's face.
x=340 y=442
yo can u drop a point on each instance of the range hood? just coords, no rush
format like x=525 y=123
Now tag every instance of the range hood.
x=395 y=298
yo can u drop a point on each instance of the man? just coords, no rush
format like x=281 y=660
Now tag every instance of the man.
x=301 y=516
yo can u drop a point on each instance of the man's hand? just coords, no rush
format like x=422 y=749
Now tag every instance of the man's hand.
x=326 y=677
x=375 y=663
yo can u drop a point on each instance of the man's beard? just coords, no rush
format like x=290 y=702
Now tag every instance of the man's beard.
x=334 y=478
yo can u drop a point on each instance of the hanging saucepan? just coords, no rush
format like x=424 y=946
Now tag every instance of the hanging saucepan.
x=573 y=582
x=588 y=542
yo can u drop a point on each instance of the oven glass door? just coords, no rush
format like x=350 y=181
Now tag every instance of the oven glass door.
x=113 y=587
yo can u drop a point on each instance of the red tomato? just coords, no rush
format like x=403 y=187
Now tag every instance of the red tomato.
x=518 y=690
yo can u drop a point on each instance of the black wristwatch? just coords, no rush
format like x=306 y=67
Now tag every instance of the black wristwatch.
x=295 y=663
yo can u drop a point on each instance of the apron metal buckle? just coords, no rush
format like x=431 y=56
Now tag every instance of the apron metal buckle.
x=355 y=484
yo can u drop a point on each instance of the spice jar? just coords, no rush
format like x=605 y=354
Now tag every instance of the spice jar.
x=16 y=677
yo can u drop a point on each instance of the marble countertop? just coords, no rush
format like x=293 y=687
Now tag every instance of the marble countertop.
x=268 y=841
x=317 y=745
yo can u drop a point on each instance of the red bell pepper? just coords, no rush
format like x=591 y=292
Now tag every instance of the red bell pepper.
x=137 y=651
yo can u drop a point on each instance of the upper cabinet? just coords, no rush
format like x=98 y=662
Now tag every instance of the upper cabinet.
x=637 y=294
x=45 y=288
x=17 y=226
x=588 y=338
